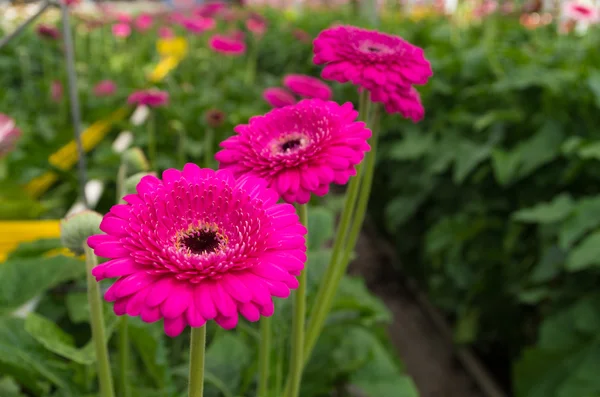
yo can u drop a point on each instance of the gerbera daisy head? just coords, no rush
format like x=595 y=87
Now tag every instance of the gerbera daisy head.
x=580 y=12
x=9 y=134
x=278 y=97
x=198 y=25
x=143 y=22
x=199 y=245
x=256 y=24
x=227 y=45
x=105 y=88
x=307 y=86
x=165 y=32
x=299 y=149
x=151 y=97
x=48 y=32
x=369 y=58
x=121 y=30
x=211 y=9
x=406 y=101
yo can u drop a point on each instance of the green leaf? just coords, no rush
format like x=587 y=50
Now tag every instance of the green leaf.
x=586 y=254
x=401 y=208
x=555 y=211
x=590 y=151
x=594 y=84
x=494 y=116
x=585 y=217
x=34 y=249
x=550 y=265
x=226 y=357
x=467 y=327
x=77 y=307
x=320 y=226
x=468 y=156
x=355 y=302
x=505 y=165
x=379 y=376
x=23 y=279
x=9 y=388
x=150 y=345
x=414 y=145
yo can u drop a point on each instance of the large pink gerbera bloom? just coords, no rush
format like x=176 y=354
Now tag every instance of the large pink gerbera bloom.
x=278 y=97
x=580 y=12
x=369 y=58
x=199 y=245
x=299 y=149
x=307 y=86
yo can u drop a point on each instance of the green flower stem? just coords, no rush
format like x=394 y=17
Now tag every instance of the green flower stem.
x=97 y=323
x=297 y=352
x=181 y=147
x=252 y=60
x=197 y=350
x=123 y=356
x=121 y=176
x=264 y=356
x=151 y=131
x=208 y=147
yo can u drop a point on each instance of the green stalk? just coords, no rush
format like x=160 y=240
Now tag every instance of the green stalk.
x=264 y=356
x=181 y=149
x=97 y=324
x=121 y=176
x=197 y=350
x=208 y=147
x=298 y=323
x=152 y=140
x=252 y=60
x=123 y=356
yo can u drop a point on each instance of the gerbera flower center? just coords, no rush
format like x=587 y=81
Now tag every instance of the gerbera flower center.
x=371 y=47
x=201 y=240
x=288 y=144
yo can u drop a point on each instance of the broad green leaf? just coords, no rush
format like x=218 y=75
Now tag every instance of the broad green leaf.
x=468 y=156
x=590 y=151
x=379 y=376
x=467 y=327
x=25 y=360
x=585 y=254
x=585 y=217
x=22 y=279
x=414 y=145
x=354 y=302
x=401 y=208
x=34 y=249
x=9 y=388
x=320 y=227
x=571 y=145
x=316 y=264
x=542 y=148
x=550 y=265
x=494 y=116
x=554 y=211
x=594 y=84
x=226 y=357
x=505 y=165
x=77 y=307
x=150 y=345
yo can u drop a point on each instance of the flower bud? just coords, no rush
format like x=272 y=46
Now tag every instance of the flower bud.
x=214 y=118
x=129 y=187
x=75 y=229
x=135 y=160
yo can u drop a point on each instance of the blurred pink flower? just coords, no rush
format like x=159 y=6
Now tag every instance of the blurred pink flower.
x=47 y=31
x=70 y=3
x=198 y=25
x=307 y=86
x=105 y=88
x=9 y=135
x=121 y=30
x=302 y=35
x=56 y=91
x=124 y=18
x=237 y=35
x=165 y=32
x=227 y=45
x=143 y=22
x=176 y=17
x=151 y=97
x=211 y=9
x=580 y=12
x=278 y=97
x=256 y=24
x=488 y=7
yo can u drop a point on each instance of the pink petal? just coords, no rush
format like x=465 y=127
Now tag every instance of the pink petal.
x=236 y=288
x=204 y=301
x=174 y=326
x=159 y=291
x=227 y=322
x=225 y=305
x=176 y=303
x=250 y=311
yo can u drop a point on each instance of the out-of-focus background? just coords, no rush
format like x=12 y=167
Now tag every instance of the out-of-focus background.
x=477 y=273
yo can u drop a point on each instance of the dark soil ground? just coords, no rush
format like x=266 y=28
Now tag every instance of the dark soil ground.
x=437 y=367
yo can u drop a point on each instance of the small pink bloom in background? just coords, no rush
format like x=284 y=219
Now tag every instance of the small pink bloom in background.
x=165 y=32
x=405 y=101
x=121 y=30
x=299 y=149
x=198 y=25
x=302 y=35
x=47 y=31
x=124 y=18
x=183 y=253
x=237 y=34
x=211 y=9
x=507 y=7
x=227 y=45
x=488 y=7
x=278 y=97
x=307 y=86
x=56 y=91
x=9 y=135
x=151 y=97
x=256 y=24
x=143 y=22
x=176 y=17
x=580 y=12
x=105 y=88
x=70 y=3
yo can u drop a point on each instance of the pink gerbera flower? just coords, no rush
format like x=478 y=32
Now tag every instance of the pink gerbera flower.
x=165 y=32
x=227 y=45
x=152 y=97
x=124 y=18
x=307 y=86
x=9 y=134
x=299 y=149
x=369 y=58
x=405 y=101
x=105 y=88
x=211 y=9
x=580 y=12
x=256 y=24
x=278 y=97
x=199 y=245
x=48 y=32
x=198 y=24
x=121 y=30
x=143 y=22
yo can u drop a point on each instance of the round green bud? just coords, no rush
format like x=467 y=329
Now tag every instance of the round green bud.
x=135 y=160
x=75 y=230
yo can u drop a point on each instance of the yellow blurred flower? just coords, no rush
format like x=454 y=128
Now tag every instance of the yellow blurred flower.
x=420 y=12
x=172 y=47
x=13 y=233
x=163 y=68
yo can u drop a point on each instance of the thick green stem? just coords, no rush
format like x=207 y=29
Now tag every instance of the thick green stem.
x=297 y=353
x=97 y=324
x=121 y=176
x=123 y=356
x=264 y=356
x=208 y=147
x=197 y=348
x=181 y=149
x=252 y=60
x=152 y=140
